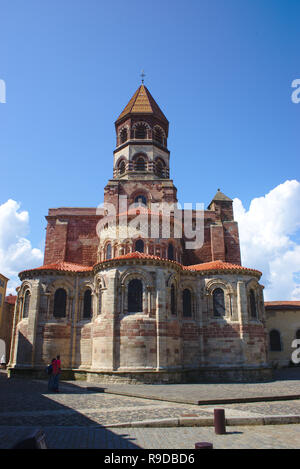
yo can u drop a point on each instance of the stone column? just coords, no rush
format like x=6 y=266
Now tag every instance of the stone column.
x=74 y=319
x=161 y=345
x=14 y=338
x=242 y=308
x=199 y=317
x=33 y=316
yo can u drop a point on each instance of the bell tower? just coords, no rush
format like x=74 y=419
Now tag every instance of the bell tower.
x=141 y=168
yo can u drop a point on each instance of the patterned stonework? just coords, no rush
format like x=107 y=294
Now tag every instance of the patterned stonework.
x=163 y=314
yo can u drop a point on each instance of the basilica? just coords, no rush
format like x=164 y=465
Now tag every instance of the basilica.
x=138 y=290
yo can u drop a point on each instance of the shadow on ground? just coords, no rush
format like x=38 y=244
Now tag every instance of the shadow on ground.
x=291 y=373
x=27 y=404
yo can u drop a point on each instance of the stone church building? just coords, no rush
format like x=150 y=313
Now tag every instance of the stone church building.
x=136 y=304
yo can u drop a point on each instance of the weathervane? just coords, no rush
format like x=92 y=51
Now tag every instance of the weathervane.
x=143 y=76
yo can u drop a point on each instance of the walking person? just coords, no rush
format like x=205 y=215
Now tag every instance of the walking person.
x=57 y=370
x=50 y=369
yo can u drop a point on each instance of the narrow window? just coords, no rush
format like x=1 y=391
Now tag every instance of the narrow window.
x=275 y=342
x=173 y=300
x=140 y=131
x=122 y=167
x=187 y=303
x=171 y=252
x=298 y=334
x=26 y=304
x=87 y=304
x=135 y=296
x=60 y=303
x=218 y=302
x=160 y=169
x=253 y=304
x=158 y=135
x=108 y=251
x=140 y=164
x=123 y=135
x=139 y=245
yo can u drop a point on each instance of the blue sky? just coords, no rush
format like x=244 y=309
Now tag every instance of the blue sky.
x=221 y=71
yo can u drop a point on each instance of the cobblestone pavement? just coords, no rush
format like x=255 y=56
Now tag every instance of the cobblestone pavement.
x=287 y=383
x=245 y=437
x=29 y=403
x=75 y=417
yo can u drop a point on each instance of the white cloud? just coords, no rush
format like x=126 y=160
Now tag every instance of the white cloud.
x=267 y=235
x=16 y=252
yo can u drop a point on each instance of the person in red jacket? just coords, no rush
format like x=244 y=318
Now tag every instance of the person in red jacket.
x=56 y=372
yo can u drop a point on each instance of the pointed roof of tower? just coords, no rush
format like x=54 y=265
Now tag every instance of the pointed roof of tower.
x=220 y=197
x=142 y=102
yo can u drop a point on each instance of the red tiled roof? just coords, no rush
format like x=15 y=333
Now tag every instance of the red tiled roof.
x=11 y=299
x=219 y=265
x=63 y=267
x=137 y=255
x=207 y=266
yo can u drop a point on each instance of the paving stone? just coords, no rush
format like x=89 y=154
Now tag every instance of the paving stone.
x=76 y=417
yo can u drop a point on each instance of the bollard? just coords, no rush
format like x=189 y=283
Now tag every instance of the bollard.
x=204 y=445
x=34 y=440
x=219 y=421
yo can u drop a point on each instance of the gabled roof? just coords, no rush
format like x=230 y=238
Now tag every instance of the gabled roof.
x=142 y=102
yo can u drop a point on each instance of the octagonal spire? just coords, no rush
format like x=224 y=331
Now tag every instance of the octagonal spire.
x=142 y=102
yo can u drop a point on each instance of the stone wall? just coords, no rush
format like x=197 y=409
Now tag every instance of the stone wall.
x=154 y=339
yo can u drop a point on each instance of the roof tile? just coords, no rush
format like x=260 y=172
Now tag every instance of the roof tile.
x=142 y=103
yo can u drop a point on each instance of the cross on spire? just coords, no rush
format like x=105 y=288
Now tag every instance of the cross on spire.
x=143 y=76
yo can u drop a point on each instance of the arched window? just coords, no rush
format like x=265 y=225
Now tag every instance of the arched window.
x=26 y=304
x=135 y=296
x=87 y=304
x=108 y=251
x=253 y=309
x=60 y=303
x=160 y=168
x=123 y=135
x=140 y=164
x=158 y=135
x=139 y=245
x=140 y=131
x=173 y=300
x=140 y=199
x=122 y=167
x=218 y=302
x=171 y=252
x=187 y=303
x=275 y=341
